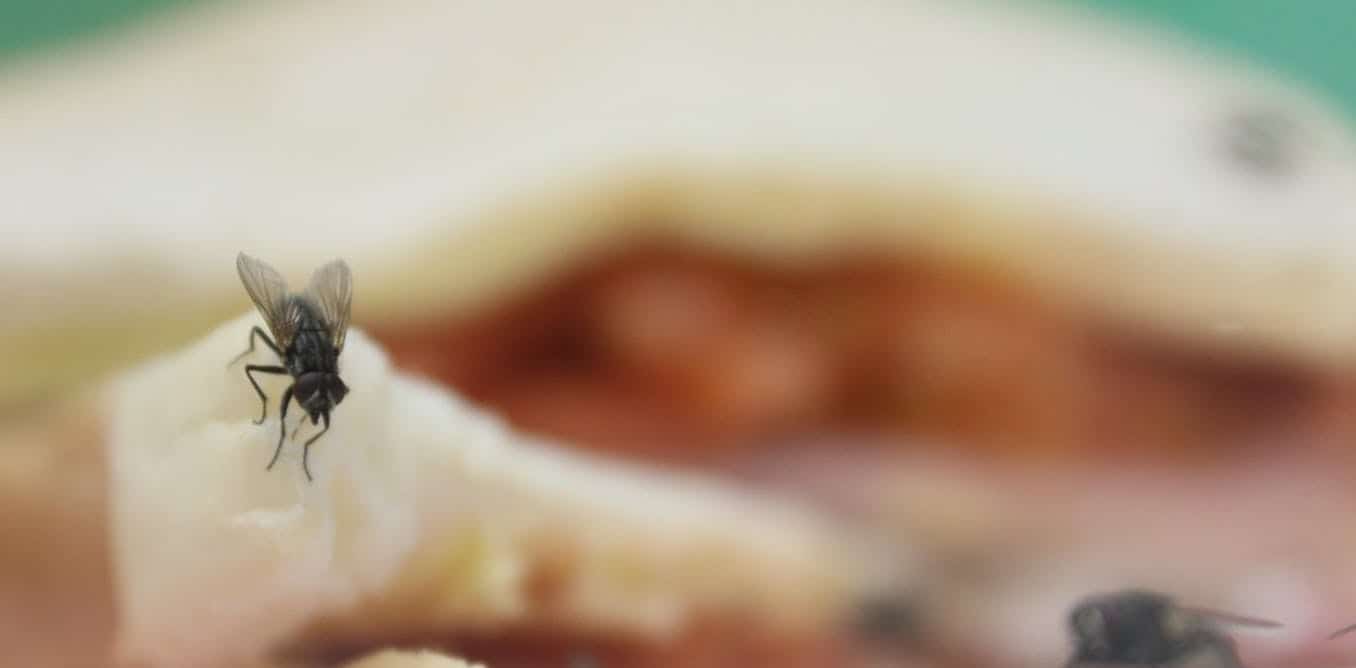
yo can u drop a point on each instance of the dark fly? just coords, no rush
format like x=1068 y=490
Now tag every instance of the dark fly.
x=308 y=335
x=1143 y=628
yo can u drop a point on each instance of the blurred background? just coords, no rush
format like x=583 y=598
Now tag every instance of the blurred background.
x=1041 y=428
x=1304 y=41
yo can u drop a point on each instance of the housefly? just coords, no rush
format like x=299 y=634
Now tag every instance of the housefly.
x=1143 y=628
x=308 y=335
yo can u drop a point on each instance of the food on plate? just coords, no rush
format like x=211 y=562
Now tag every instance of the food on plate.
x=427 y=517
x=898 y=277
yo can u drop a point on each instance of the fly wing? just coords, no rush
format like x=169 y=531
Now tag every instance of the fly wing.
x=1231 y=619
x=331 y=290
x=268 y=290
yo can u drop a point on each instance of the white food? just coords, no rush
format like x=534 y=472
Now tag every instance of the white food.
x=416 y=495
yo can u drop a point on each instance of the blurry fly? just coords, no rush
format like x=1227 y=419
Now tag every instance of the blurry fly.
x=1144 y=628
x=308 y=335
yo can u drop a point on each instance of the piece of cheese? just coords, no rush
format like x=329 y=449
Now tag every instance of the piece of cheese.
x=431 y=512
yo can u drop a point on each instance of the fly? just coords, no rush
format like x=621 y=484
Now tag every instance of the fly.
x=1144 y=628
x=308 y=335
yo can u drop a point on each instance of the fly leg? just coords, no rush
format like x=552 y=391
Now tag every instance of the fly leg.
x=300 y=423
x=263 y=399
x=282 y=428
x=259 y=333
x=306 y=449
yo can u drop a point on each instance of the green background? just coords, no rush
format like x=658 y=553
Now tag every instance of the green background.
x=1312 y=40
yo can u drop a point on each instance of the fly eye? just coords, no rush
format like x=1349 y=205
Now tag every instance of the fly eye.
x=1090 y=623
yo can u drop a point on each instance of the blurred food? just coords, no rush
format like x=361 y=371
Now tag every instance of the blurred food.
x=1056 y=303
x=673 y=350
x=54 y=569
x=482 y=177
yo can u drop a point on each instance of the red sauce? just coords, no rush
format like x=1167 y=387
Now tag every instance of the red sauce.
x=675 y=356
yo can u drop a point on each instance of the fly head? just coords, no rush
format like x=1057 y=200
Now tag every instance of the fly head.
x=318 y=392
